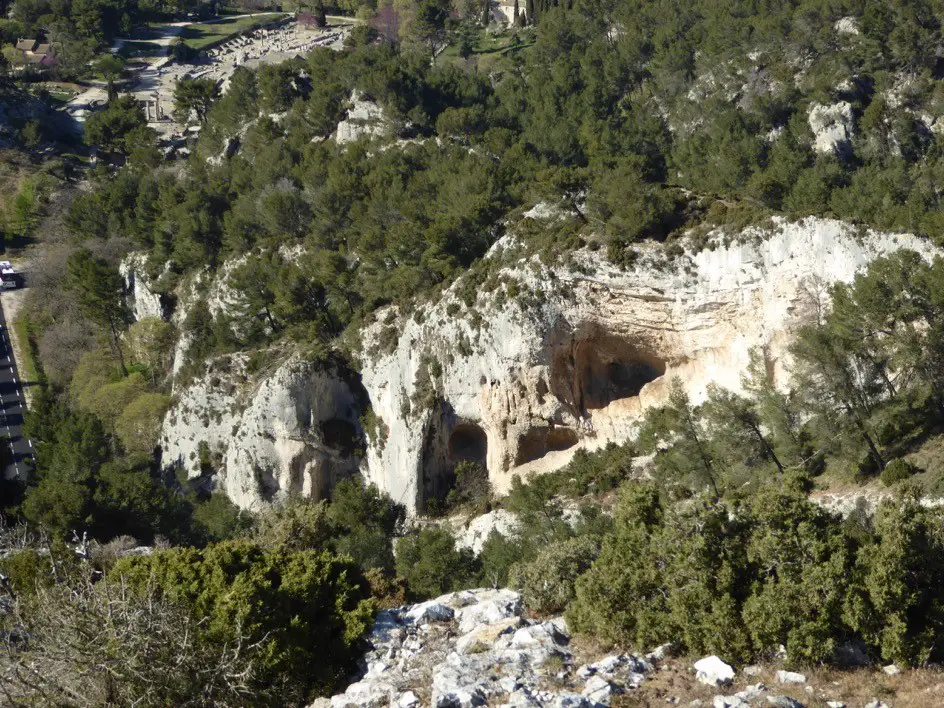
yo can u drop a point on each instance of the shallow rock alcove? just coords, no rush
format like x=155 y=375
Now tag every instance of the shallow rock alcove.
x=593 y=369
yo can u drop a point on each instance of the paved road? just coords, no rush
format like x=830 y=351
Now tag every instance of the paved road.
x=12 y=408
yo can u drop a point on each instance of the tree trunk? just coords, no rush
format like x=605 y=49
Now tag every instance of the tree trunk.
x=580 y=214
x=767 y=447
x=116 y=343
x=270 y=319
x=873 y=450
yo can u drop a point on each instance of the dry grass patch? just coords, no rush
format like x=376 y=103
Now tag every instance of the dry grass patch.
x=675 y=679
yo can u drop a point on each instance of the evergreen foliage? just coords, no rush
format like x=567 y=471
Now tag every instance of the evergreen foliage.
x=307 y=609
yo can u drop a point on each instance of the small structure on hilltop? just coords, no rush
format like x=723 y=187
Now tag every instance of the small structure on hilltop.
x=37 y=54
x=511 y=12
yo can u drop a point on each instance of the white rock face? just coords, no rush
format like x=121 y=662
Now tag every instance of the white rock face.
x=847 y=26
x=833 y=127
x=142 y=301
x=476 y=533
x=287 y=429
x=571 y=360
x=712 y=671
x=364 y=119
x=483 y=650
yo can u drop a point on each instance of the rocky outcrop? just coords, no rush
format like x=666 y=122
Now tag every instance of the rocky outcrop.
x=473 y=533
x=563 y=357
x=364 y=119
x=833 y=127
x=516 y=370
x=291 y=427
x=142 y=300
x=476 y=647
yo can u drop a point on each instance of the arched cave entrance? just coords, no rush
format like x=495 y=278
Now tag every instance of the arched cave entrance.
x=448 y=442
x=592 y=370
x=331 y=454
x=468 y=443
x=537 y=442
x=341 y=436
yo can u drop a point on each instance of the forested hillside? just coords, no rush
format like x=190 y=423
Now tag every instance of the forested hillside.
x=289 y=226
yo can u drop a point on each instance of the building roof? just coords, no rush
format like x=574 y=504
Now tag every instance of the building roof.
x=34 y=59
x=26 y=45
x=43 y=49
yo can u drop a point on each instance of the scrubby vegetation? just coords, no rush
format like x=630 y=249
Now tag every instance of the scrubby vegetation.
x=742 y=578
x=631 y=136
x=631 y=120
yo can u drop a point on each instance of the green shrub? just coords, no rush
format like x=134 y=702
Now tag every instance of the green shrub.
x=472 y=487
x=216 y=518
x=25 y=569
x=588 y=472
x=547 y=582
x=296 y=525
x=359 y=522
x=497 y=557
x=898 y=602
x=737 y=581
x=366 y=520
x=309 y=609
x=898 y=470
x=432 y=565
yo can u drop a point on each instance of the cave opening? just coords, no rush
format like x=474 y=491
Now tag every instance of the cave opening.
x=468 y=443
x=449 y=443
x=595 y=369
x=341 y=436
x=537 y=442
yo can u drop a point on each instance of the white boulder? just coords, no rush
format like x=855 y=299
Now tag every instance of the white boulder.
x=431 y=611
x=712 y=671
x=789 y=677
x=833 y=126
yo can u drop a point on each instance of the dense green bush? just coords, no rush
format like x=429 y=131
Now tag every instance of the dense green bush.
x=309 y=609
x=432 y=565
x=898 y=602
x=360 y=522
x=898 y=470
x=743 y=578
x=596 y=473
x=547 y=582
x=735 y=581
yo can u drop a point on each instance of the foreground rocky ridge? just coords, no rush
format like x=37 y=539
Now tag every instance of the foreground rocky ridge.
x=480 y=647
x=518 y=375
x=476 y=646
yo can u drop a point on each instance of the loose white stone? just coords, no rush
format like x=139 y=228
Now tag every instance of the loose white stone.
x=790 y=677
x=712 y=671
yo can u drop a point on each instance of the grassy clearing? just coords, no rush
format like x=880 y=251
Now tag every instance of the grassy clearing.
x=205 y=35
x=141 y=48
x=491 y=50
x=918 y=688
x=21 y=329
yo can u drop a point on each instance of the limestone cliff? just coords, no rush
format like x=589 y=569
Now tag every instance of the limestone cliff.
x=567 y=356
x=516 y=371
x=291 y=427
